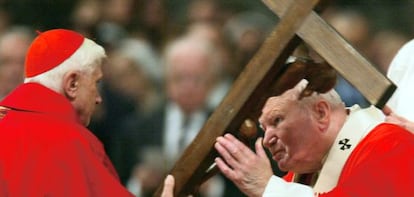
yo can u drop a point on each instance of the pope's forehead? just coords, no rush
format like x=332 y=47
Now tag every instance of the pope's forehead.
x=277 y=105
x=282 y=103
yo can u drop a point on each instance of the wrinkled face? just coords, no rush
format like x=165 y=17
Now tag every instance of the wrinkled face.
x=291 y=134
x=87 y=96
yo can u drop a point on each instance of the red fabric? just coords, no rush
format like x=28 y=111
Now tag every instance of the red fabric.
x=44 y=151
x=289 y=176
x=381 y=165
x=50 y=49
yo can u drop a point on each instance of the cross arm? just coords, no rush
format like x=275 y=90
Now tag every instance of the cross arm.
x=346 y=60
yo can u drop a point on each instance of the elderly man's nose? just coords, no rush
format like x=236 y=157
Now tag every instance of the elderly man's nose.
x=269 y=140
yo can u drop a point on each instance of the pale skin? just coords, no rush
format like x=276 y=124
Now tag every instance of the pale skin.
x=394 y=118
x=168 y=189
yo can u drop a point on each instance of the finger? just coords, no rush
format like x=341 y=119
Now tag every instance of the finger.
x=386 y=110
x=224 y=168
x=168 y=189
x=233 y=139
x=245 y=154
x=259 y=148
x=240 y=149
x=225 y=153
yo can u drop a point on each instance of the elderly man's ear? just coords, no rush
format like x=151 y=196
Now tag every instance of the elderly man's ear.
x=322 y=112
x=71 y=84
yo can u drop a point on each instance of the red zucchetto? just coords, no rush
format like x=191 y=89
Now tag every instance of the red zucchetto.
x=50 y=49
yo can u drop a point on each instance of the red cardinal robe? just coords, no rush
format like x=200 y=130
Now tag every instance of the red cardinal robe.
x=45 y=151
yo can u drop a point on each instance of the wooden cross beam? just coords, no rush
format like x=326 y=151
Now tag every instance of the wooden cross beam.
x=375 y=87
x=262 y=77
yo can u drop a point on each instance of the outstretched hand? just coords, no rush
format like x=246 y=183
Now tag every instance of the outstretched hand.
x=249 y=171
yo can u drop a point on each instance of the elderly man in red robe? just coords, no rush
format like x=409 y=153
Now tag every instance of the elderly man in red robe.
x=45 y=148
x=329 y=150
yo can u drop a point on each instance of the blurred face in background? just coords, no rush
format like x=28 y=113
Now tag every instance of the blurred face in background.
x=125 y=77
x=12 y=55
x=189 y=79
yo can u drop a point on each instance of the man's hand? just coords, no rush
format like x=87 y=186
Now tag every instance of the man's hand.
x=248 y=170
x=168 y=190
x=400 y=121
x=393 y=118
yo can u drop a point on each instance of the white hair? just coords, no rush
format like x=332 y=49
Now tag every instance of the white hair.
x=332 y=97
x=85 y=59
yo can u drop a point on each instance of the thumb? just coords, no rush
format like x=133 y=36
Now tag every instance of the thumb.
x=168 y=189
x=259 y=147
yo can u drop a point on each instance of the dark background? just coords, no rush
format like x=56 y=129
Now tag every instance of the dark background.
x=46 y=14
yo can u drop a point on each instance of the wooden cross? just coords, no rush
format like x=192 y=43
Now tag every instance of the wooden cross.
x=262 y=77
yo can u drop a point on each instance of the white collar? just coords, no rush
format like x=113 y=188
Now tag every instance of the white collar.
x=359 y=123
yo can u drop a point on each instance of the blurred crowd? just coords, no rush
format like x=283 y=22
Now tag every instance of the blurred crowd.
x=170 y=64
